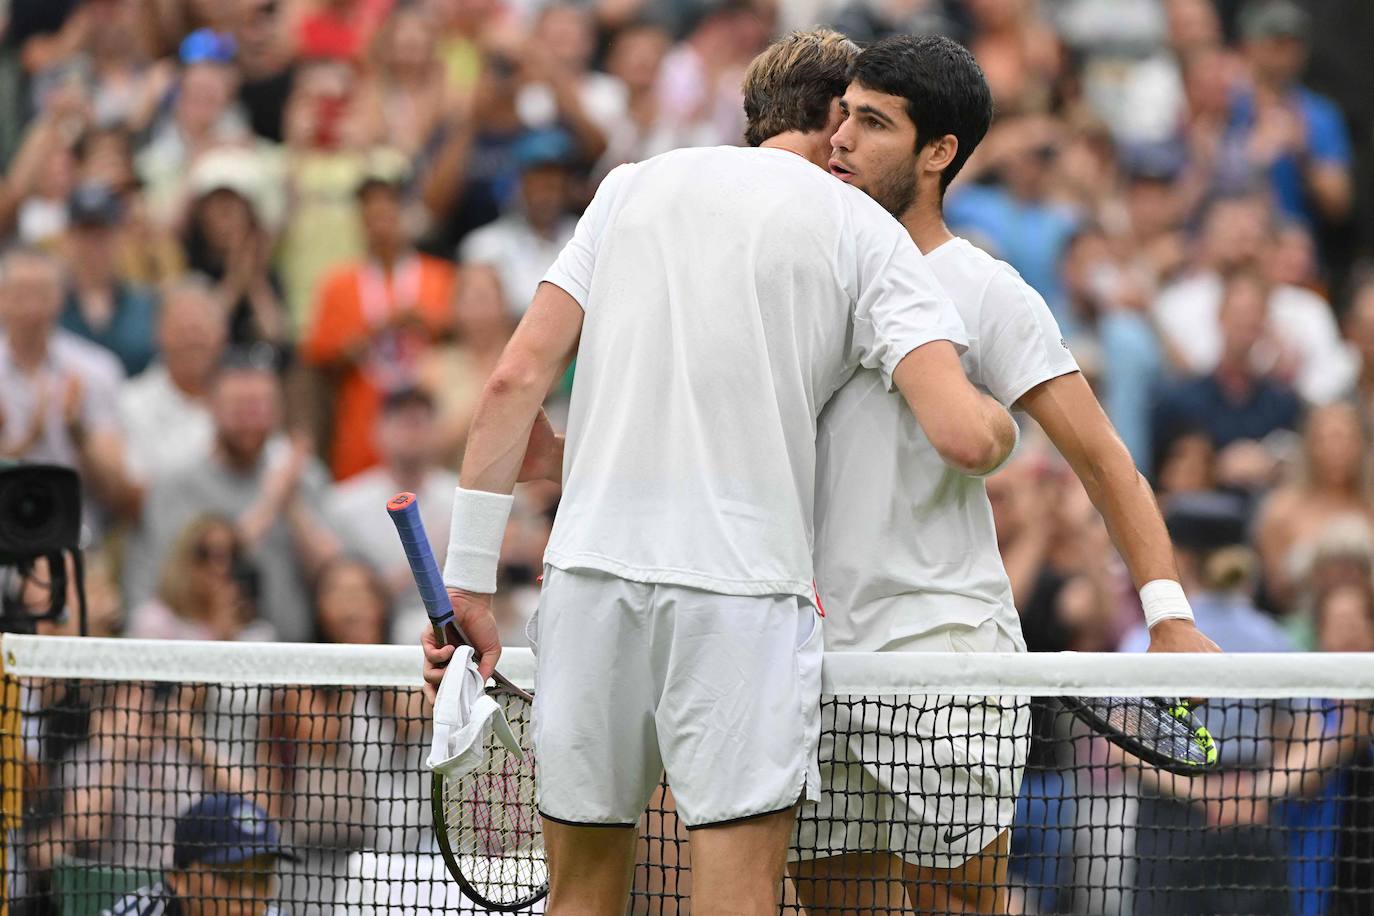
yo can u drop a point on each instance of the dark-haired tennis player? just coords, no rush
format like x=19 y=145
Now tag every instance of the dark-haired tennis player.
x=716 y=299
x=906 y=554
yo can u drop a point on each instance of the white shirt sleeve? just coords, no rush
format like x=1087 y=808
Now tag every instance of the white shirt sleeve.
x=572 y=272
x=899 y=304
x=1019 y=342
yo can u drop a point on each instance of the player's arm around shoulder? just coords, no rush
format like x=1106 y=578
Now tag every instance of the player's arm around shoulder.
x=1069 y=413
x=971 y=432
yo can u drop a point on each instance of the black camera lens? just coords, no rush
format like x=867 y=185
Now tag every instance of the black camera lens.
x=30 y=508
x=40 y=511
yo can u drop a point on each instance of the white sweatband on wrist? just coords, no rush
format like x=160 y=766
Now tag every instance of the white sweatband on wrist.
x=1015 y=441
x=474 y=539
x=1163 y=599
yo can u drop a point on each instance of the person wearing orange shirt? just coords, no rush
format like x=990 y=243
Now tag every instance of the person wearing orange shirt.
x=373 y=321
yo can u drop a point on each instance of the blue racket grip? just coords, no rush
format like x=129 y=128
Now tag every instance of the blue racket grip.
x=404 y=510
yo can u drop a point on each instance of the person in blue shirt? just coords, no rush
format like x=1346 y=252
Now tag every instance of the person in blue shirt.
x=1015 y=219
x=99 y=306
x=1295 y=137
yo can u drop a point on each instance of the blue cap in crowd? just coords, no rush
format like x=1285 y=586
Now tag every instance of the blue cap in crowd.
x=225 y=829
x=544 y=147
x=204 y=45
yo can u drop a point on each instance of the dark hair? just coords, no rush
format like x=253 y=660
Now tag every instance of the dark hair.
x=403 y=398
x=791 y=85
x=944 y=88
x=375 y=584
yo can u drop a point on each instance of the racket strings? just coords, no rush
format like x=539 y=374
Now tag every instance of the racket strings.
x=1153 y=725
x=491 y=819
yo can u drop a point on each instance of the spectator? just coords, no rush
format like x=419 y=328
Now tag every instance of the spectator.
x=1335 y=480
x=353 y=604
x=101 y=306
x=326 y=158
x=266 y=68
x=560 y=91
x=1016 y=216
x=405 y=99
x=229 y=239
x=339 y=29
x=406 y=440
x=1237 y=233
x=455 y=373
x=140 y=756
x=1109 y=304
x=1019 y=53
x=163 y=410
x=1296 y=138
x=699 y=85
x=373 y=321
x=270 y=488
x=58 y=392
x=225 y=854
x=1359 y=329
x=1236 y=401
x=203 y=116
x=523 y=244
x=148 y=254
x=635 y=58
x=208 y=588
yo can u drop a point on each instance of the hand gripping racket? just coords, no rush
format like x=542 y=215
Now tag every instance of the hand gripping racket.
x=486 y=821
x=1162 y=733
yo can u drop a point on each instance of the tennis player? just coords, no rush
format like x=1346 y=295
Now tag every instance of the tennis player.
x=906 y=553
x=721 y=296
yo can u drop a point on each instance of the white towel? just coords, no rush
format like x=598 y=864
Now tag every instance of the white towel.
x=464 y=717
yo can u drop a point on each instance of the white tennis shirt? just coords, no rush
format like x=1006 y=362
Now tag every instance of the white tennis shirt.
x=904 y=543
x=728 y=293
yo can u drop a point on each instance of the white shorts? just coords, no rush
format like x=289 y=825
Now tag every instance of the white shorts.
x=932 y=779
x=722 y=691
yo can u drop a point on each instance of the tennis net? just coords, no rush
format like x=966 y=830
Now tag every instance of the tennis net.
x=103 y=743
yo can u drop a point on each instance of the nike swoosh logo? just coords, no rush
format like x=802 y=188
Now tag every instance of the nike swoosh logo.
x=951 y=835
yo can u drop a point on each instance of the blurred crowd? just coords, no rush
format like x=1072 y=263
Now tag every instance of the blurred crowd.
x=260 y=256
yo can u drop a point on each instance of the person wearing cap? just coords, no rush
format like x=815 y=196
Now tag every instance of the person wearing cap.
x=224 y=860
x=374 y=319
x=1295 y=137
x=523 y=244
x=99 y=305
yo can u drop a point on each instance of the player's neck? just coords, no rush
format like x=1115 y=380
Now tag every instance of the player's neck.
x=813 y=147
x=926 y=226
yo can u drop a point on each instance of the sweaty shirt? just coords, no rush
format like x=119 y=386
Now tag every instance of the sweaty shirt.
x=904 y=543
x=727 y=294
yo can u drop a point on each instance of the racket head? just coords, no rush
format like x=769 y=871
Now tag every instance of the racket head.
x=487 y=821
x=1164 y=734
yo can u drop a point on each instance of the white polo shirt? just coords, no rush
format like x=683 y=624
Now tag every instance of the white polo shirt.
x=728 y=293
x=904 y=543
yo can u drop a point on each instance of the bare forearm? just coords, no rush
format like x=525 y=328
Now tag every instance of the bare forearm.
x=500 y=430
x=1133 y=519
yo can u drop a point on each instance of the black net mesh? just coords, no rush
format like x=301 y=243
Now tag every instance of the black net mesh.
x=97 y=772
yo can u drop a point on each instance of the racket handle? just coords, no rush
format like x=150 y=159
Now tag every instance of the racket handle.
x=404 y=510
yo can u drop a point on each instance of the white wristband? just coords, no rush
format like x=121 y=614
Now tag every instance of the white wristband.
x=1163 y=599
x=1015 y=441
x=474 y=539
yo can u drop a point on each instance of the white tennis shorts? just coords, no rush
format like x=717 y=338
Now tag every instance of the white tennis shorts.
x=632 y=679
x=932 y=779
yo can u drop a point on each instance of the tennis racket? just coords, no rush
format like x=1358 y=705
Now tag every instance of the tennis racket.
x=1163 y=733
x=486 y=821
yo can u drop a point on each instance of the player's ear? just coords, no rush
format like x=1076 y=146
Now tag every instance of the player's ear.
x=939 y=153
